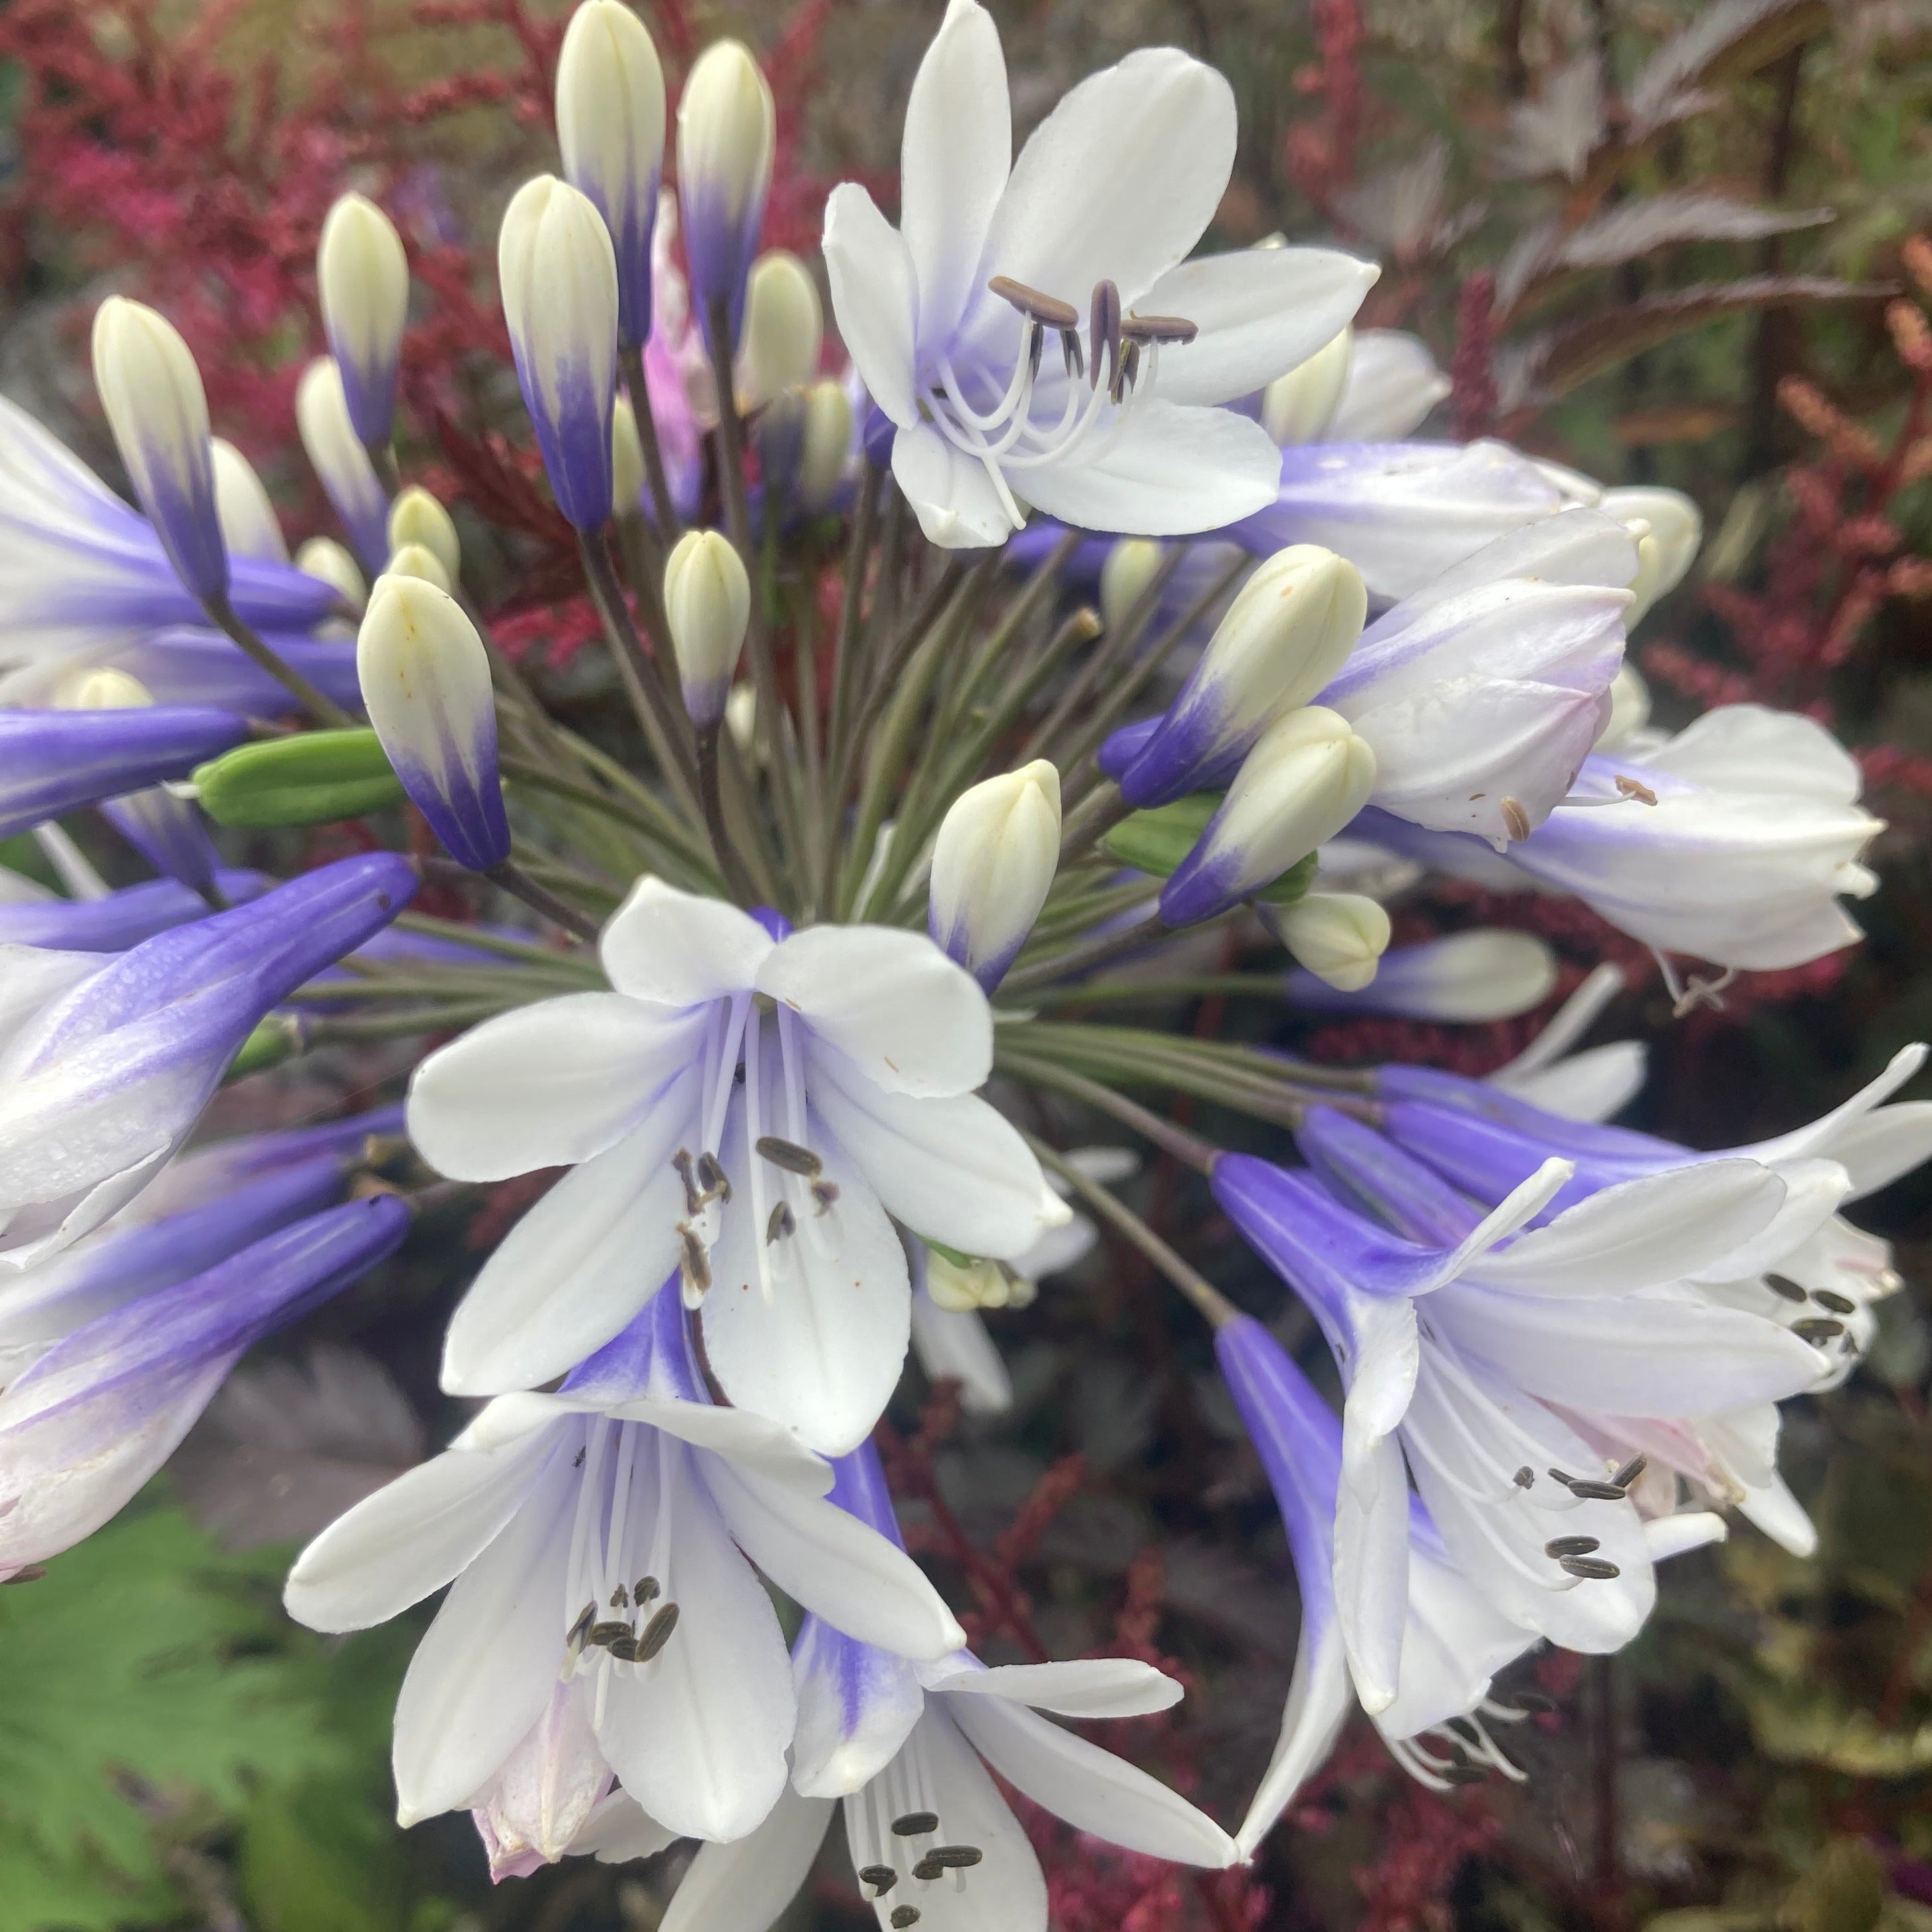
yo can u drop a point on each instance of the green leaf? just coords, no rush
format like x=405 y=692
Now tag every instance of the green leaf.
x=1155 y=842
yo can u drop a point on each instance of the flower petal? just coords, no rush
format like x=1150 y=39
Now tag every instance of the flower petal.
x=958 y=505
x=746 y=1885
x=954 y=1343
x=856 y=1706
x=1086 y=1687
x=677 y=948
x=1319 y=1700
x=1593 y=1085
x=874 y=296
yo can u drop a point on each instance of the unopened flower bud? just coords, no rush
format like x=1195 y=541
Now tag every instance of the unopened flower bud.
x=1297 y=407
x=324 y=558
x=559 y=287
x=741 y=718
x=1130 y=567
x=426 y=685
x=1308 y=777
x=827 y=446
x=418 y=560
x=784 y=328
x=249 y=525
x=779 y=434
x=416 y=518
x=611 y=128
x=362 y=277
x=1338 y=937
x=958 y=1288
x=1286 y=636
x=627 y=460
x=726 y=131
x=708 y=605
x=993 y=864
x=337 y=454
x=106 y=689
x=1676 y=528
x=151 y=392
x=1630 y=709
x=1464 y=978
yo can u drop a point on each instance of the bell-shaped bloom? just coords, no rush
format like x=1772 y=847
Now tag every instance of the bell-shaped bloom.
x=249 y=525
x=594 y=1538
x=151 y=391
x=341 y=461
x=117 y=920
x=1308 y=776
x=1338 y=938
x=707 y=599
x=95 y=1416
x=906 y=1746
x=425 y=679
x=1402 y=513
x=784 y=327
x=558 y=278
x=1286 y=636
x=416 y=518
x=611 y=130
x=105 y=1067
x=78 y=568
x=1464 y=1359
x=993 y=864
x=1482 y=694
x=1755 y=835
x=1031 y=330
x=727 y=137
x=52 y=761
x=362 y=278
x=1466 y=977
x=1454 y=1640
x=860 y=1048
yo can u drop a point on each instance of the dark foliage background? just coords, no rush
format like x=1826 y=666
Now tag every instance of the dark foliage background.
x=1657 y=240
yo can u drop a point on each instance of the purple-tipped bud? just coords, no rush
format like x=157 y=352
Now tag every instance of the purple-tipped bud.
x=727 y=128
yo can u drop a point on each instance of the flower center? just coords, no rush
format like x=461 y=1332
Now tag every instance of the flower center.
x=901 y=1829
x=1006 y=435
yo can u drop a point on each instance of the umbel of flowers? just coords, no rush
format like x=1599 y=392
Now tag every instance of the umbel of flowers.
x=835 y=879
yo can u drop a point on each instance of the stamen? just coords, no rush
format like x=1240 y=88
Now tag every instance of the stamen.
x=1598 y=1492
x=1524 y=1478
x=1049 y=311
x=1516 y=820
x=643 y=1590
x=956 y=1858
x=601 y=1635
x=1630 y=1472
x=1631 y=788
x=694 y=1264
x=1817 y=1330
x=1103 y=331
x=693 y=1198
x=574 y=1636
x=624 y=1650
x=1123 y=382
x=825 y=1193
x=716 y=1182
x=1529 y=1703
x=1571 y=1546
x=904 y=1915
x=1159 y=329
x=928 y=1869
x=1591 y=1569
x=620 y=1598
x=783 y=1223
x=1781 y=1284
x=915 y=1824
x=789 y=1155
x=656 y=1633
x=1839 y=1304
x=883 y=1876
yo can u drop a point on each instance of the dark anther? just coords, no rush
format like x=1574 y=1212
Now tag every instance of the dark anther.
x=1071 y=351
x=1049 y=311
x=1631 y=788
x=620 y=1598
x=1103 y=332
x=608 y=1633
x=928 y=1869
x=904 y=1915
x=783 y=1222
x=1516 y=820
x=1158 y=329
x=1819 y=1329
x=1597 y=1493
x=697 y=1262
x=643 y=1590
x=1594 y=1569
x=955 y=1858
x=1533 y=1701
x=1783 y=1284
x=1839 y=1304
x=825 y=1192
x=913 y=1824
x=624 y=1649
x=586 y=1618
x=1036 y=349
x=789 y=1155
x=1630 y=1472
x=1130 y=369
x=713 y=1176
x=1459 y=1773
x=693 y=1198
x=656 y=1633
x=1524 y=1477
x=1558 y=1476
x=1571 y=1546
x=883 y=1877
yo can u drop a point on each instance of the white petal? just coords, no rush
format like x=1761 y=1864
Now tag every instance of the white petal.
x=620 y=1830
x=484 y=1672
x=957 y=503
x=395 y=1547
x=544 y=1086
x=1319 y=1700
x=908 y=1018
x=954 y=157
x=954 y=1343
x=1889 y=1142
x=1091 y=1789
x=678 y=949
x=1688 y=1529
x=1172 y=470
x=1596 y=1084
x=757 y=1445
x=1089 y=1687
x=575 y=1270
x=1371 y=1572
x=1260 y=313
x=1821 y=1136
x=836 y=1566
x=856 y=1706
x=746 y=1885
x=874 y=296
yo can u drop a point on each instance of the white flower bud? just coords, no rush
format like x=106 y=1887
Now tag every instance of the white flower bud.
x=1129 y=568
x=1630 y=709
x=741 y=718
x=611 y=129
x=558 y=278
x=627 y=461
x=416 y=518
x=336 y=453
x=418 y=560
x=362 y=277
x=1297 y=407
x=993 y=864
x=708 y=605
x=1340 y=936
x=105 y=689
x=157 y=408
x=784 y=328
x=980 y=1284
x=249 y=525
x=324 y=558
x=727 y=133
x=1308 y=777
x=425 y=679
x=1675 y=523
x=827 y=446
